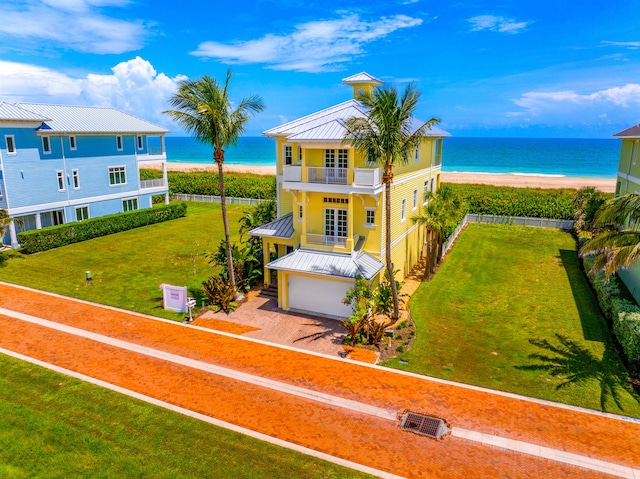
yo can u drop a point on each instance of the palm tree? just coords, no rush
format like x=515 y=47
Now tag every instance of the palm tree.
x=387 y=135
x=618 y=244
x=4 y=223
x=203 y=108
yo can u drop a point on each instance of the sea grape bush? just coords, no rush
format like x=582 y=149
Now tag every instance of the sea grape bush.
x=44 y=239
x=236 y=185
x=508 y=201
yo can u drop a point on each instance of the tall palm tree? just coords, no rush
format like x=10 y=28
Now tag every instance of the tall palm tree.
x=204 y=109
x=618 y=243
x=4 y=223
x=387 y=135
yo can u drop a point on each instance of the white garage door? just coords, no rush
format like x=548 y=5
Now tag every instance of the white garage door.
x=319 y=296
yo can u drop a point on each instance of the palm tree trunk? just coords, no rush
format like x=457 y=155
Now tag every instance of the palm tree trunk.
x=219 y=159
x=392 y=279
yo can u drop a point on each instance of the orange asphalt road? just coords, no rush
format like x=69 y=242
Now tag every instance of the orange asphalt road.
x=378 y=443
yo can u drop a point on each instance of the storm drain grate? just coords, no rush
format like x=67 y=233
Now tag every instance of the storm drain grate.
x=425 y=425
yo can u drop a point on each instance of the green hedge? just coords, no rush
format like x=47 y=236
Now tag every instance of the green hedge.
x=508 y=201
x=44 y=239
x=624 y=315
x=235 y=185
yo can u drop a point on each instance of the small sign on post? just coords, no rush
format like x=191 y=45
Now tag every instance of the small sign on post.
x=174 y=298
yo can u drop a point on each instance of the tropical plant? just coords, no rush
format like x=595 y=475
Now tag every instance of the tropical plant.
x=387 y=135
x=247 y=264
x=362 y=326
x=618 y=242
x=204 y=109
x=587 y=201
x=221 y=293
x=440 y=215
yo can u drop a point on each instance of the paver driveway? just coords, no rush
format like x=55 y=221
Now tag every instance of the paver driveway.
x=335 y=406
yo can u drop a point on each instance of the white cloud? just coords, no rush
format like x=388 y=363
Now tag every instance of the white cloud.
x=74 y=24
x=629 y=45
x=134 y=87
x=496 y=24
x=617 y=96
x=312 y=47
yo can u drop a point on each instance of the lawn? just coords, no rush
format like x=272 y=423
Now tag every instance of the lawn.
x=510 y=309
x=128 y=268
x=58 y=427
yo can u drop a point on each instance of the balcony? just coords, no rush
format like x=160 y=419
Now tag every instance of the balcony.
x=328 y=176
x=362 y=177
x=157 y=183
x=325 y=240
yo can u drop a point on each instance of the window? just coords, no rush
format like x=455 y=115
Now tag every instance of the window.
x=415 y=199
x=11 y=144
x=46 y=144
x=117 y=175
x=403 y=212
x=432 y=190
x=335 y=223
x=416 y=156
x=300 y=154
x=426 y=192
x=72 y=143
x=139 y=142
x=288 y=154
x=76 y=179
x=330 y=158
x=370 y=217
x=82 y=213
x=60 y=175
x=339 y=201
x=0 y=191
x=119 y=142
x=130 y=205
x=299 y=212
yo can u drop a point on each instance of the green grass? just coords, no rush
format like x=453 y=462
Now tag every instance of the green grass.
x=58 y=427
x=128 y=267
x=511 y=310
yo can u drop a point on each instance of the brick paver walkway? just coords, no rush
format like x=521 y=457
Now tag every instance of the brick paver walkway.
x=346 y=433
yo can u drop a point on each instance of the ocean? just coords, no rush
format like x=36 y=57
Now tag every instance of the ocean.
x=595 y=158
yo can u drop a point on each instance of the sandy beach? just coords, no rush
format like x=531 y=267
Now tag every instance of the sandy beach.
x=523 y=181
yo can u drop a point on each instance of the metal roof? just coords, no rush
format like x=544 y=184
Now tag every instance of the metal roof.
x=89 y=119
x=278 y=228
x=633 y=132
x=12 y=112
x=329 y=264
x=362 y=77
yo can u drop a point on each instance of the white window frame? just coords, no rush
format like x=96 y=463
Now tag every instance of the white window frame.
x=46 y=145
x=403 y=211
x=425 y=200
x=416 y=156
x=634 y=152
x=119 y=143
x=80 y=208
x=140 y=142
x=299 y=211
x=300 y=154
x=73 y=143
x=287 y=152
x=115 y=170
x=75 y=175
x=10 y=139
x=367 y=211
x=60 y=178
x=126 y=201
x=415 y=199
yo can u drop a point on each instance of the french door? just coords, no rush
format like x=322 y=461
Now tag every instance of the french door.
x=335 y=226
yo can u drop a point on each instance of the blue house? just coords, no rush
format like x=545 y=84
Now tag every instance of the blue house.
x=60 y=164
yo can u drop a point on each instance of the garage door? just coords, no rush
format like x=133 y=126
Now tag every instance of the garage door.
x=319 y=296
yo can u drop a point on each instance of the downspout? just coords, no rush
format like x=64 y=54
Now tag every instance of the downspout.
x=66 y=175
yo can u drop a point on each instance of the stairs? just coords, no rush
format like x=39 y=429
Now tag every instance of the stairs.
x=271 y=292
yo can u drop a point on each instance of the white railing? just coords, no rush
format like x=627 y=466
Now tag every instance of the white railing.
x=334 y=176
x=155 y=150
x=292 y=173
x=366 y=176
x=326 y=240
x=157 y=183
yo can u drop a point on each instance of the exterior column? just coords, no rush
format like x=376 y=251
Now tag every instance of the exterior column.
x=165 y=180
x=266 y=246
x=38 y=221
x=162 y=150
x=13 y=234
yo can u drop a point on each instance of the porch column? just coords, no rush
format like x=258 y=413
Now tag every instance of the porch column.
x=162 y=150
x=165 y=180
x=266 y=246
x=38 y=221
x=13 y=234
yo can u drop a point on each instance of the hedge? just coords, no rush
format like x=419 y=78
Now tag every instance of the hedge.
x=33 y=241
x=509 y=201
x=624 y=315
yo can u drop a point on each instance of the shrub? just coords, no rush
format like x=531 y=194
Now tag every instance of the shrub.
x=236 y=185
x=220 y=293
x=44 y=239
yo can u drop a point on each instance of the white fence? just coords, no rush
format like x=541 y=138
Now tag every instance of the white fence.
x=507 y=220
x=216 y=199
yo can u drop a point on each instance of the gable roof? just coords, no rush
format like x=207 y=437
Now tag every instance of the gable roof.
x=78 y=119
x=633 y=132
x=362 y=77
x=328 y=124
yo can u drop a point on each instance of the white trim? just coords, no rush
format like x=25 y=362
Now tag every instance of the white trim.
x=60 y=179
x=75 y=210
x=46 y=141
x=366 y=210
x=139 y=142
x=415 y=199
x=74 y=146
x=109 y=168
x=284 y=154
x=13 y=143
x=124 y=200
x=632 y=179
x=75 y=175
x=32 y=209
x=119 y=143
x=403 y=211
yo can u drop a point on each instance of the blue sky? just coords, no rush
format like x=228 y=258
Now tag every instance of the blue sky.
x=501 y=68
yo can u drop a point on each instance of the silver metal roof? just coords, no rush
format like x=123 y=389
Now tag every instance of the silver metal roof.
x=362 y=77
x=89 y=119
x=12 y=112
x=279 y=228
x=329 y=264
x=633 y=132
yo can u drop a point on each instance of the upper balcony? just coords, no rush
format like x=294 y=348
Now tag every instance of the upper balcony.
x=315 y=178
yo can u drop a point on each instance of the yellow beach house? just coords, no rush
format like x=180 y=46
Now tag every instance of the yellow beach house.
x=628 y=181
x=330 y=209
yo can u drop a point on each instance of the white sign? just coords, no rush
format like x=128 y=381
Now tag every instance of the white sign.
x=174 y=297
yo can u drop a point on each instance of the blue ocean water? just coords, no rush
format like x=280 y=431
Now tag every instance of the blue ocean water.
x=597 y=158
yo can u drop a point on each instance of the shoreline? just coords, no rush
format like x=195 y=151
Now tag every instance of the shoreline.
x=607 y=185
